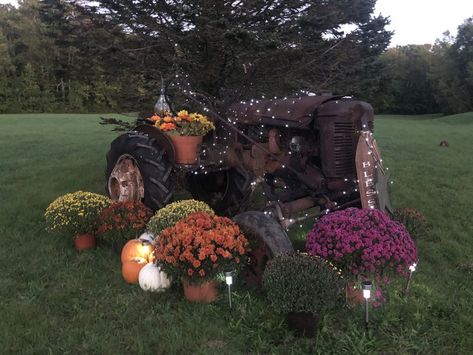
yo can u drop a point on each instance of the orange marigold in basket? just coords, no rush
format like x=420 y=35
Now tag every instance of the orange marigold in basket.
x=168 y=119
x=200 y=246
x=155 y=118
x=168 y=126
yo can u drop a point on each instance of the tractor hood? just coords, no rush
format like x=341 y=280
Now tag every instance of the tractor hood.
x=292 y=112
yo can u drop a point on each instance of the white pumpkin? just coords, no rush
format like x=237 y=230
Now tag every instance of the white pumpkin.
x=151 y=278
x=147 y=236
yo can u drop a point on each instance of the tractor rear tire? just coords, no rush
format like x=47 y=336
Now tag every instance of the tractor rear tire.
x=227 y=191
x=138 y=169
x=266 y=238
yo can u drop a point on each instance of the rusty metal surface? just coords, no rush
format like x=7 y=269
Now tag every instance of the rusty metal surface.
x=290 y=209
x=339 y=123
x=125 y=182
x=308 y=144
x=294 y=112
x=337 y=120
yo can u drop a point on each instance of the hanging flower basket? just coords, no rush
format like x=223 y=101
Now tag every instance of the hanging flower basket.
x=186 y=147
x=186 y=131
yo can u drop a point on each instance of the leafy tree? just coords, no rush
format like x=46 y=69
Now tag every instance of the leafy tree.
x=26 y=54
x=452 y=71
x=6 y=74
x=75 y=67
x=429 y=78
x=407 y=87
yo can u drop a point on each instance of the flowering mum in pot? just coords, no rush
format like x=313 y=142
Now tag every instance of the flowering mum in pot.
x=170 y=214
x=122 y=221
x=183 y=124
x=302 y=287
x=76 y=214
x=199 y=247
x=363 y=243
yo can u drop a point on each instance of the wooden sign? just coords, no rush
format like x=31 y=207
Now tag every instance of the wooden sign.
x=372 y=176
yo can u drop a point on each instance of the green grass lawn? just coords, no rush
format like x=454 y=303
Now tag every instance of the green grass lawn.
x=55 y=300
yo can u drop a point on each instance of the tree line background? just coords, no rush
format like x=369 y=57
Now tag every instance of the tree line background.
x=81 y=56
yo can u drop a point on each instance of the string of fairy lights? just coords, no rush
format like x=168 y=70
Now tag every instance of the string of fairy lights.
x=235 y=117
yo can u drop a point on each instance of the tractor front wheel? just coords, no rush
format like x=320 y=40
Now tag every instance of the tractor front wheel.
x=138 y=170
x=266 y=238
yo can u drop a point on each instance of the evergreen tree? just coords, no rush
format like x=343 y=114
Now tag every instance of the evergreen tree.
x=229 y=50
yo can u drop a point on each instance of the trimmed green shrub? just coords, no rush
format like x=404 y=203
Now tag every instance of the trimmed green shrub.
x=302 y=283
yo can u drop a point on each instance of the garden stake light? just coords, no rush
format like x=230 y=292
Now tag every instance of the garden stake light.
x=412 y=268
x=366 y=295
x=229 y=282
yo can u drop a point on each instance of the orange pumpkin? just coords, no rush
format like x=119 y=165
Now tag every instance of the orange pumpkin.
x=136 y=248
x=131 y=269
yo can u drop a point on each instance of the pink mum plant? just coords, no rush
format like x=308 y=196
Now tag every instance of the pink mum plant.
x=363 y=243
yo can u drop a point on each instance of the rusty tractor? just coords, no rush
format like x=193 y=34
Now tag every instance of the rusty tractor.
x=269 y=164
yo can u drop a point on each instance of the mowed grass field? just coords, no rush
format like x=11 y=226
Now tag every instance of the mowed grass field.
x=54 y=300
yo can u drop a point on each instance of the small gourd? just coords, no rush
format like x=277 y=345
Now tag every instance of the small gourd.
x=151 y=278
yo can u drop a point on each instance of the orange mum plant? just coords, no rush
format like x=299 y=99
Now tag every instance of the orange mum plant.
x=200 y=246
x=122 y=221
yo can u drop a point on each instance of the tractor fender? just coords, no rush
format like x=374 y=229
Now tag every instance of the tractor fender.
x=162 y=139
x=267 y=239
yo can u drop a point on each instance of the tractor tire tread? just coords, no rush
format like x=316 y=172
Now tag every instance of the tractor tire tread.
x=152 y=162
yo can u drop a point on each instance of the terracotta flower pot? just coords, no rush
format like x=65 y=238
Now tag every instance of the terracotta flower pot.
x=84 y=241
x=204 y=292
x=186 y=147
x=304 y=324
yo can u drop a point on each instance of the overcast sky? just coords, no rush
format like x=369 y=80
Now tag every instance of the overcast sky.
x=418 y=21
x=423 y=21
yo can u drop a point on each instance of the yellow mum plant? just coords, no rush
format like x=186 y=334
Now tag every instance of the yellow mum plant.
x=75 y=213
x=170 y=214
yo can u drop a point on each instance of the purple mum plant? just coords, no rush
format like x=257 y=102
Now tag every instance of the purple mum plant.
x=363 y=243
